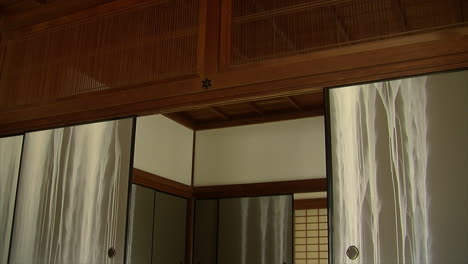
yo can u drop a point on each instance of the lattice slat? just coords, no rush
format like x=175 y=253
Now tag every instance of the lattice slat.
x=154 y=41
x=269 y=29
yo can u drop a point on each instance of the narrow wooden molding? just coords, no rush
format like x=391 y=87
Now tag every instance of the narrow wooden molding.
x=318 y=203
x=161 y=184
x=222 y=191
x=260 y=189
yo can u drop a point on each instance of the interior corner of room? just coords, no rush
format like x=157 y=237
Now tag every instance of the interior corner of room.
x=233 y=131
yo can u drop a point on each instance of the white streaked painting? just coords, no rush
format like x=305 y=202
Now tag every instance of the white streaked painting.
x=399 y=162
x=10 y=155
x=255 y=230
x=72 y=195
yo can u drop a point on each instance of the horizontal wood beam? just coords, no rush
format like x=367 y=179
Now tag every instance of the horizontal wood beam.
x=266 y=118
x=162 y=184
x=405 y=56
x=159 y=183
x=317 y=203
x=260 y=189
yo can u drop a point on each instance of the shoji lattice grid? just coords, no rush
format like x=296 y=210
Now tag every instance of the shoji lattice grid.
x=311 y=236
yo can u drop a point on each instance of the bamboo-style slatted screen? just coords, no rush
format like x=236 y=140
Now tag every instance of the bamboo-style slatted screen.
x=153 y=41
x=269 y=29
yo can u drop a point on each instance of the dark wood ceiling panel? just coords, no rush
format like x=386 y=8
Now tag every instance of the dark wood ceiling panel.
x=235 y=110
x=201 y=115
x=252 y=112
x=309 y=100
x=269 y=29
x=274 y=105
x=153 y=41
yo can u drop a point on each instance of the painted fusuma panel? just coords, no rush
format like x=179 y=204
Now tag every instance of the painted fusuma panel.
x=399 y=164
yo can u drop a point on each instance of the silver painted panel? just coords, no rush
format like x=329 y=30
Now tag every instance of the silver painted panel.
x=205 y=242
x=10 y=156
x=399 y=163
x=72 y=195
x=169 y=229
x=140 y=235
x=255 y=230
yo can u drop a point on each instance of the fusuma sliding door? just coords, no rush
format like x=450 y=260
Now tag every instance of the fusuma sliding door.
x=72 y=195
x=10 y=155
x=157 y=231
x=399 y=165
x=255 y=230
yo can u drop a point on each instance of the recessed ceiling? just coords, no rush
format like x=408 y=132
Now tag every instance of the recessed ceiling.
x=252 y=112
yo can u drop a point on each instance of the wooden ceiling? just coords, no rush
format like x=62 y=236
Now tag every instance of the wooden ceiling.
x=252 y=112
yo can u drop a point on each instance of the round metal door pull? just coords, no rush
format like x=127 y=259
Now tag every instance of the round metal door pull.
x=111 y=252
x=352 y=252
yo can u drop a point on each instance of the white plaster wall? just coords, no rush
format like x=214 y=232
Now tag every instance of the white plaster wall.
x=312 y=195
x=164 y=147
x=279 y=151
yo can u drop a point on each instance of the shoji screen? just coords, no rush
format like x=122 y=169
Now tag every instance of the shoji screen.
x=10 y=155
x=399 y=152
x=72 y=195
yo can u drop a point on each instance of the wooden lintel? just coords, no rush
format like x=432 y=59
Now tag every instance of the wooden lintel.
x=317 y=203
x=393 y=58
x=260 y=189
x=161 y=184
